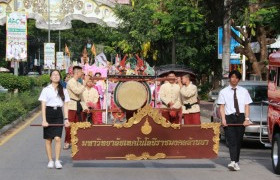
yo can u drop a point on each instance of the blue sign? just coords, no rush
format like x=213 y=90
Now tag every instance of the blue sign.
x=233 y=44
x=235 y=61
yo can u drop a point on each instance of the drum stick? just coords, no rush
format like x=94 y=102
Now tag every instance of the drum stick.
x=50 y=125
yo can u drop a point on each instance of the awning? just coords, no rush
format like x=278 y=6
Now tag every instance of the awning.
x=276 y=44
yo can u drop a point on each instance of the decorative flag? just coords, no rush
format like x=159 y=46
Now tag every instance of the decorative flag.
x=101 y=59
x=67 y=51
x=93 y=50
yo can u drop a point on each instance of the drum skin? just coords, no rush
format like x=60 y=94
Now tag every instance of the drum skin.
x=132 y=95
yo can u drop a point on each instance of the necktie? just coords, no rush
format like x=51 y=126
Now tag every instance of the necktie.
x=235 y=101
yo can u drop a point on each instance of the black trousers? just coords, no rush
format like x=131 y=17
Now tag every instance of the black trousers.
x=234 y=135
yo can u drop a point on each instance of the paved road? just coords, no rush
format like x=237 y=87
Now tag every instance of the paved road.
x=23 y=158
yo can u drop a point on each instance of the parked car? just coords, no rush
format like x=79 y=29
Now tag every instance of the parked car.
x=3 y=90
x=33 y=74
x=258 y=93
x=213 y=94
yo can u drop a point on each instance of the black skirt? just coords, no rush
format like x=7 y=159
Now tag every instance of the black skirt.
x=53 y=116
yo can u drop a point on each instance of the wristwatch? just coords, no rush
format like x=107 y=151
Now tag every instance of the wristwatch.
x=65 y=119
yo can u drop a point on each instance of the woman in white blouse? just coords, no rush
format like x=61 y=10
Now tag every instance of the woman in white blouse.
x=53 y=98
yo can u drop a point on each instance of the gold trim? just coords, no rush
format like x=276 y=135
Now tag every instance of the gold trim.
x=145 y=156
x=146 y=128
x=216 y=138
x=147 y=111
x=74 y=138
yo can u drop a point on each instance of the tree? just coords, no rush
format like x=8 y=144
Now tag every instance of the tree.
x=259 y=19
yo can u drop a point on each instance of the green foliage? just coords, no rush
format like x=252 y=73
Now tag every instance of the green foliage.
x=22 y=83
x=44 y=79
x=14 y=106
x=203 y=90
x=9 y=81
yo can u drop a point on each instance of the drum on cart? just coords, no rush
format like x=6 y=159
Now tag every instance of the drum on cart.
x=132 y=95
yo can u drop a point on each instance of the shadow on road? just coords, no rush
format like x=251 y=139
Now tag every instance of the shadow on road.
x=141 y=164
x=252 y=152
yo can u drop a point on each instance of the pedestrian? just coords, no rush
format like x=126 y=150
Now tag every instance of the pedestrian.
x=53 y=98
x=65 y=80
x=189 y=99
x=234 y=103
x=75 y=90
x=169 y=94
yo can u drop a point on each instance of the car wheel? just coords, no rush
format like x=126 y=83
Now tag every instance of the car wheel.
x=275 y=153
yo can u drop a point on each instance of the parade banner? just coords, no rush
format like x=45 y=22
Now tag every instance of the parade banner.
x=146 y=135
x=49 y=55
x=16 y=44
x=60 y=64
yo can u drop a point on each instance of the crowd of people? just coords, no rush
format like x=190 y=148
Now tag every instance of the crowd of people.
x=78 y=94
x=74 y=100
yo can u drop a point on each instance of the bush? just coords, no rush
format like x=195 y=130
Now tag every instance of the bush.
x=43 y=80
x=204 y=90
x=17 y=105
x=9 y=81
x=24 y=83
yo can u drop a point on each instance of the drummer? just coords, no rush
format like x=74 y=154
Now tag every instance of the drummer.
x=170 y=98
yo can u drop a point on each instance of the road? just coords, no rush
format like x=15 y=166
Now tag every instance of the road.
x=22 y=157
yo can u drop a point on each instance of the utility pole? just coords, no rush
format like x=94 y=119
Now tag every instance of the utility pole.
x=226 y=37
x=16 y=61
x=49 y=29
x=59 y=41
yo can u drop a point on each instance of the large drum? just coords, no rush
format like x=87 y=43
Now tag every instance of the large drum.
x=132 y=95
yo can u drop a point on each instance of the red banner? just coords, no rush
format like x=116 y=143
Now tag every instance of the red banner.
x=146 y=135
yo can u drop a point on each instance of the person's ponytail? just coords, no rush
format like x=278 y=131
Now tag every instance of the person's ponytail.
x=60 y=92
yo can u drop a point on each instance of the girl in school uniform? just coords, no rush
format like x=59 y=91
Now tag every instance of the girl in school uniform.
x=54 y=99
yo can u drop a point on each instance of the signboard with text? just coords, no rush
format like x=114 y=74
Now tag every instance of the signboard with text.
x=60 y=64
x=146 y=135
x=16 y=44
x=233 y=44
x=49 y=55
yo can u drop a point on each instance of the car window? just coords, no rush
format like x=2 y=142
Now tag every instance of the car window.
x=257 y=93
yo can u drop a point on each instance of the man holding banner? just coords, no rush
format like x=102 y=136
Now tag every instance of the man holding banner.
x=234 y=103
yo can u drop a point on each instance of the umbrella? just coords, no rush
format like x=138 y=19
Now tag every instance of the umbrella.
x=179 y=70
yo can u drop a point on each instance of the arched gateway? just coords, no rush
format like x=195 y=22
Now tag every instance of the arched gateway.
x=62 y=12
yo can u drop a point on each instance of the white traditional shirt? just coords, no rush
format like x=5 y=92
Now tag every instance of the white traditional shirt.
x=170 y=93
x=50 y=95
x=89 y=95
x=226 y=98
x=189 y=95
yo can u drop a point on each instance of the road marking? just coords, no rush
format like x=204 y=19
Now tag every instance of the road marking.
x=15 y=132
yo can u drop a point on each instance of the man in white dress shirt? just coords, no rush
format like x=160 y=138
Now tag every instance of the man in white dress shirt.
x=234 y=103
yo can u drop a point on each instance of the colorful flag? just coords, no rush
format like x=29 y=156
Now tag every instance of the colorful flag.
x=93 y=50
x=67 y=51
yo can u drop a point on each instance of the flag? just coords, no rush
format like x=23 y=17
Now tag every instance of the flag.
x=93 y=50
x=117 y=60
x=67 y=52
x=101 y=59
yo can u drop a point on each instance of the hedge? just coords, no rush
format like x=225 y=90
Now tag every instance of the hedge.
x=22 y=83
x=12 y=106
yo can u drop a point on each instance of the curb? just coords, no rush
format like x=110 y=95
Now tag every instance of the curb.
x=19 y=120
